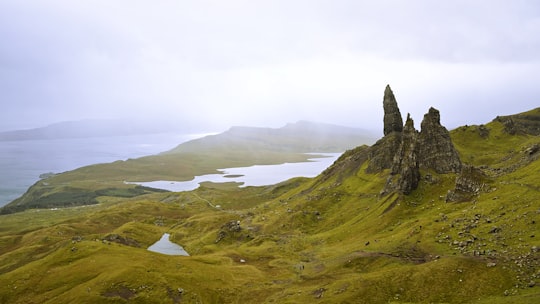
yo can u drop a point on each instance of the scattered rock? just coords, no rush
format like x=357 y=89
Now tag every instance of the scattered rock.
x=76 y=239
x=115 y=238
x=230 y=227
x=483 y=131
x=532 y=149
x=233 y=226
x=491 y=264
x=160 y=221
x=495 y=230
x=525 y=123
x=318 y=293
x=121 y=291
x=430 y=179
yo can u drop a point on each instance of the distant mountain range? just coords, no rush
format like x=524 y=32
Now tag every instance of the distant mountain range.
x=92 y=128
x=302 y=136
x=298 y=131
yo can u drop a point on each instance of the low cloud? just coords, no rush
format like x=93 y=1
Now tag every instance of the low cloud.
x=265 y=63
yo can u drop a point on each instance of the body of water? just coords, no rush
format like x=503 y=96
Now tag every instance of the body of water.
x=165 y=246
x=22 y=162
x=258 y=175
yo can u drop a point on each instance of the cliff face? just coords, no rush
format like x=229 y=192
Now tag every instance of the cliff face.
x=405 y=151
x=436 y=149
x=405 y=172
x=524 y=123
x=381 y=154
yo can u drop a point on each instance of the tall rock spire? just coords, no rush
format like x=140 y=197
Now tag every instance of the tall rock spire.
x=392 y=117
x=405 y=172
x=405 y=151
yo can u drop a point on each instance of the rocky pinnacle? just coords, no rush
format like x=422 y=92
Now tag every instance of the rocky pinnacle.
x=405 y=172
x=392 y=117
x=405 y=151
x=437 y=150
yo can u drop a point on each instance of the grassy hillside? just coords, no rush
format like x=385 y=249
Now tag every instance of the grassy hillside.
x=302 y=136
x=331 y=239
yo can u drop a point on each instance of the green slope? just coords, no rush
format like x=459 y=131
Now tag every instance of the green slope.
x=331 y=239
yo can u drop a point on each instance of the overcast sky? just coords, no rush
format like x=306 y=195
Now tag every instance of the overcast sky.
x=266 y=63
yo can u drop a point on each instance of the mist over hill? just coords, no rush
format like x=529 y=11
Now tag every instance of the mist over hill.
x=302 y=136
x=99 y=128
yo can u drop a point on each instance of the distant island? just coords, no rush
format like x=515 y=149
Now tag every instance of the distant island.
x=96 y=128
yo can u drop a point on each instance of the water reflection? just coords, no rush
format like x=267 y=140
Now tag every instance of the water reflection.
x=165 y=246
x=258 y=175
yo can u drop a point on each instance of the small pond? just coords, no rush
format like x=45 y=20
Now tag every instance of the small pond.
x=165 y=246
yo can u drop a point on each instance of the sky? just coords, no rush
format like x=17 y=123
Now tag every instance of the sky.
x=266 y=63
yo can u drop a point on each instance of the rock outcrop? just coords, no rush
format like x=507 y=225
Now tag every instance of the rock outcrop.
x=392 y=117
x=469 y=183
x=437 y=152
x=381 y=154
x=405 y=151
x=405 y=172
x=524 y=123
x=228 y=229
